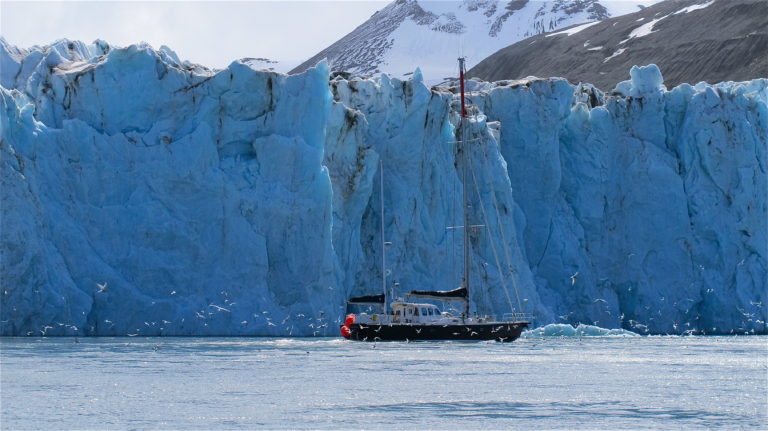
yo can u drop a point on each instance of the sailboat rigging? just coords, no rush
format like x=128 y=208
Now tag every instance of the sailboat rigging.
x=410 y=320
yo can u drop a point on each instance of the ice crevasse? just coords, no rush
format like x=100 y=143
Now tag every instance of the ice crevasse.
x=142 y=195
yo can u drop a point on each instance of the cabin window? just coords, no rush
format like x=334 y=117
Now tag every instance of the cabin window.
x=430 y=311
x=397 y=313
x=415 y=311
x=424 y=312
x=410 y=311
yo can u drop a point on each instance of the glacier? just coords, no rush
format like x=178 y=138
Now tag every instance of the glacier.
x=143 y=195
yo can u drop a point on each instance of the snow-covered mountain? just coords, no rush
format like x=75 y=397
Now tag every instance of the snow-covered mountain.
x=408 y=34
x=142 y=196
x=691 y=40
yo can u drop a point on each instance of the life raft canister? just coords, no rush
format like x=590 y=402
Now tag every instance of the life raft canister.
x=349 y=320
x=345 y=331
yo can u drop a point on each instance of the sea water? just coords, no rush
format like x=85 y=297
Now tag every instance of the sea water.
x=664 y=382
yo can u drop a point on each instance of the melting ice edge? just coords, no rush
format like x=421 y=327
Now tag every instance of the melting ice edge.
x=145 y=195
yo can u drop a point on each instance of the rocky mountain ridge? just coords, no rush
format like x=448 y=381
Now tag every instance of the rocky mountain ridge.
x=691 y=40
x=407 y=34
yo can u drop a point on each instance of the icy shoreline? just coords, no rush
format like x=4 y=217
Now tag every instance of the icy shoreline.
x=245 y=203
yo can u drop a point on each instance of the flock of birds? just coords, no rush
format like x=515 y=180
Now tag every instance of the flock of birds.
x=318 y=325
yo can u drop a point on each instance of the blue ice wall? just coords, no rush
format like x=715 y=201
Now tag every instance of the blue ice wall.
x=654 y=199
x=200 y=200
x=143 y=195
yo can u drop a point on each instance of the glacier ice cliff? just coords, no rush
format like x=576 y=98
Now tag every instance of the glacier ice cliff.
x=145 y=195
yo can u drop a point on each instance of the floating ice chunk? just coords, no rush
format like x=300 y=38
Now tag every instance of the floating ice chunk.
x=565 y=330
x=552 y=330
x=596 y=331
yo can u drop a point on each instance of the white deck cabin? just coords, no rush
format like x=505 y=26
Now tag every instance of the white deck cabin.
x=409 y=313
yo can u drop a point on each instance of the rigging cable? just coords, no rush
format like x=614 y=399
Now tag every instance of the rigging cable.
x=490 y=237
x=502 y=277
x=507 y=254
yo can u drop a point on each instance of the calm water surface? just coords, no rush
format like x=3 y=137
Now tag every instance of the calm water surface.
x=236 y=383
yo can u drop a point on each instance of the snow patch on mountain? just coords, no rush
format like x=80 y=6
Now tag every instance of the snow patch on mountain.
x=695 y=7
x=643 y=30
x=615 y=54
x=430 y=34
x=648 y=28
x=573 y=30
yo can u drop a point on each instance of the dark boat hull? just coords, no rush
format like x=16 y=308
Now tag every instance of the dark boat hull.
x=500 y=331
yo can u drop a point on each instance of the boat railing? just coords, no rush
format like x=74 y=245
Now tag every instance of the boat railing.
x=518 y=317
x=506 y=317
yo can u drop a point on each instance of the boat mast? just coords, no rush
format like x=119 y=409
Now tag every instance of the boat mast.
x=465 y=160
x=383 y=241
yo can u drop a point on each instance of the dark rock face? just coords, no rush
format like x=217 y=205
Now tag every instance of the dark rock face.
x=724 y=41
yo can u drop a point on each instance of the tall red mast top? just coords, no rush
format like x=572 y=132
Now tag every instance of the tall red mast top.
x=461 y=81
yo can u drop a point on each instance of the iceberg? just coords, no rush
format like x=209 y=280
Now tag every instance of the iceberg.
x=142 y=195
x=565 y=330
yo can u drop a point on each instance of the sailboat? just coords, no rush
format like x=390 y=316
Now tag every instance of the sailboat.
x=409 y=320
